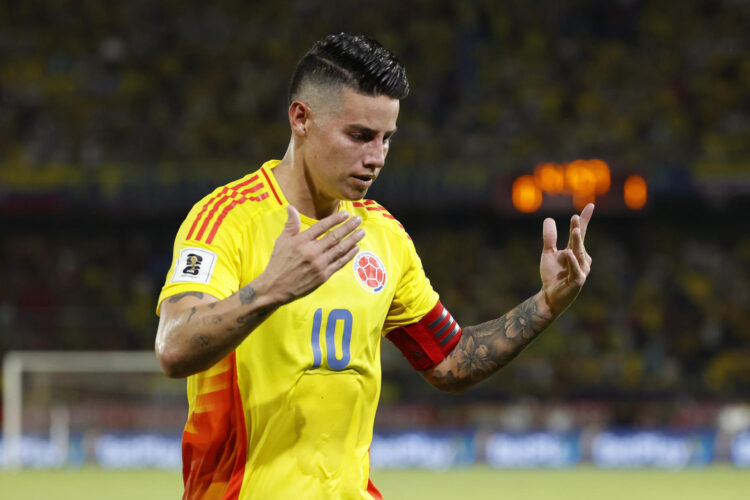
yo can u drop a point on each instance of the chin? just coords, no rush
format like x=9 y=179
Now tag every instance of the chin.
x=354 y=194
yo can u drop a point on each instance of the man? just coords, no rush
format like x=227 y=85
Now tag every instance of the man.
x=285 y=281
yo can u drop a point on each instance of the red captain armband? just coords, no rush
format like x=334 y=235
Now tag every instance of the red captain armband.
x=428 y=341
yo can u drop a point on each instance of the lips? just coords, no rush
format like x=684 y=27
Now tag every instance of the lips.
x=363 y=180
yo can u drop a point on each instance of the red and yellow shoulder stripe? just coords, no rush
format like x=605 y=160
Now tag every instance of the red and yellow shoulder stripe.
x=213 y=212
x=373 y=206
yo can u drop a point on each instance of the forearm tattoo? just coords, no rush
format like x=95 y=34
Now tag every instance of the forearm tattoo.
x=247 y=295
x=180 y=296
x=485 y=348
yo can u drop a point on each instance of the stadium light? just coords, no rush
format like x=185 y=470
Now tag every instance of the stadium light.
x=527 y=197
x=635 y=192
x=582 y=180
x=550 y=177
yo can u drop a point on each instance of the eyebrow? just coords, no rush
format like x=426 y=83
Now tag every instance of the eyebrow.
x=368 y=130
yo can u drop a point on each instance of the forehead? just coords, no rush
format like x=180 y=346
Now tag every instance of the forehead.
x=374 y=112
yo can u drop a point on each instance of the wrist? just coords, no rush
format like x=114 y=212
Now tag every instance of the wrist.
x=266 y=296
x=544 y=306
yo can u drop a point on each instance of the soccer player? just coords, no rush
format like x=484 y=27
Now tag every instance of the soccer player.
x=284 y=282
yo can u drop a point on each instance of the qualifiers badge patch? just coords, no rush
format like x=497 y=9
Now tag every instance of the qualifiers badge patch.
x=370 y=271
x=194 y=265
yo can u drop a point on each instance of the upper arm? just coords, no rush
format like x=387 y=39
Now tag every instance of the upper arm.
x=429 y=343
x=175 y=304
x=171 y=307
x=202 y=266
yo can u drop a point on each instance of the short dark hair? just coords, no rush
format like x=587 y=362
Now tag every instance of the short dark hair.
x=352 y=60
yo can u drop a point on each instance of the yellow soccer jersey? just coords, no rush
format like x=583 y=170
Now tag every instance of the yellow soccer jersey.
x=289 y=414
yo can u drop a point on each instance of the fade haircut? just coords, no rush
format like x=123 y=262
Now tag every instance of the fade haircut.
x=354 y=61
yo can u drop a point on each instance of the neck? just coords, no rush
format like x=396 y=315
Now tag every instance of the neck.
x=298 y=187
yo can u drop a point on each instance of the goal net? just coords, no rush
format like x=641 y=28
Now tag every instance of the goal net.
x=114 y=409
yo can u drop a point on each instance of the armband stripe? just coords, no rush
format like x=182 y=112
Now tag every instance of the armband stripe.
x=439 y=320
x=447 y=325
x=450 y=335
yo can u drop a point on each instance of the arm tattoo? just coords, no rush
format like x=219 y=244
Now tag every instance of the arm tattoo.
x=247 y=295
x=180 y=296
x=484 y=349
x=201 y=340
x=255 y=316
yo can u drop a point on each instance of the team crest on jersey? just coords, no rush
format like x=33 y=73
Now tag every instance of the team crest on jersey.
x=370 y=271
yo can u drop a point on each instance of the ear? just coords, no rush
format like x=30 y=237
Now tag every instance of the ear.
x=299 y=118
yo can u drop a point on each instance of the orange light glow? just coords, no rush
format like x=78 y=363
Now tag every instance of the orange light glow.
x=550 y=177
x=636 y=192
x=527 y=197
x=601 y=175
x=580 y=178
x=580 y=200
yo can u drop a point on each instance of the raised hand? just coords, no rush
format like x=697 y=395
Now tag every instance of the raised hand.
x=565 y=271
x=302 y=261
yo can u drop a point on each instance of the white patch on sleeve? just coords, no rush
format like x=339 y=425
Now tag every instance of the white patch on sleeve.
x=195 y=265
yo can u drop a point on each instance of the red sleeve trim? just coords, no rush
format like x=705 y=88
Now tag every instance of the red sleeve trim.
x=427 y=342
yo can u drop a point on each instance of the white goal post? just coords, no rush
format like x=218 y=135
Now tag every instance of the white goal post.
x=16 y=363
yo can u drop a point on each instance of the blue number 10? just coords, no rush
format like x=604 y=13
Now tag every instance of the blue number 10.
x=333 y=318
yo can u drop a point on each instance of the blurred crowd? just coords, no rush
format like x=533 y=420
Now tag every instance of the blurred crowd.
x=67 y=290
x=646 y=84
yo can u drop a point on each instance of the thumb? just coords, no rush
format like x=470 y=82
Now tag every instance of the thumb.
x=549 y=235
x=293 y=223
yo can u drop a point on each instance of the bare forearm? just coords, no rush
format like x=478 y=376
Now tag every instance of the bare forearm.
x=487 y=347
x=197 y=337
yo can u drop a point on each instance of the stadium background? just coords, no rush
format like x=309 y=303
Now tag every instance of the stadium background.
x=115 y=118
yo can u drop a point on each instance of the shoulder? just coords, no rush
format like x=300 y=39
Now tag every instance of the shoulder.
x=374 y=213
x=238 y=201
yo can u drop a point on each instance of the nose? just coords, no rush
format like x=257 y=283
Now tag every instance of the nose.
x=376 y=153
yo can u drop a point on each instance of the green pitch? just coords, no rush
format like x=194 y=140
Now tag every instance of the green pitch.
x=582 y=483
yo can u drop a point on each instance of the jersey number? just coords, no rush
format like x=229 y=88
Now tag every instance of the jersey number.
x=334 y=317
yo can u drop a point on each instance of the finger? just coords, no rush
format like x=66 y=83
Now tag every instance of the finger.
x=586 y=214
x=342 y=261
x=574 y=223
x=579 y=251
x=293 y=222
x=576 y=243
x=339 y=233
x=343 y=246
x=549 y=235
x=575 y=268
x=325 y=224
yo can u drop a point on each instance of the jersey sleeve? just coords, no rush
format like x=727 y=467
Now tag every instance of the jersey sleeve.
x=197 y=266
x=417 y=323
